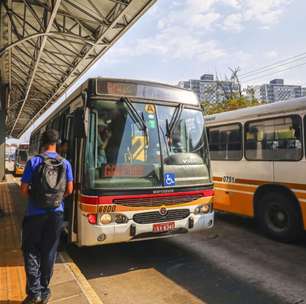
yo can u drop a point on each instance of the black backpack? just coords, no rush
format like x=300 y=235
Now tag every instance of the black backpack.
x=49 y=182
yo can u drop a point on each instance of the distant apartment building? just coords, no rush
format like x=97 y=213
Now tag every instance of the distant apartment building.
x=276 y=90
x=209 y=89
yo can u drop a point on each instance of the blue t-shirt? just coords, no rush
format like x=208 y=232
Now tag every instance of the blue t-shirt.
x=31 y=166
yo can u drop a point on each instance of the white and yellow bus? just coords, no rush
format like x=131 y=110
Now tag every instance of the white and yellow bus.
x=140 y=159
x=21 y=157
x=259 y=166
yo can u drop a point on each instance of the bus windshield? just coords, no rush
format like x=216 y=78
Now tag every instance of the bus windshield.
x=122 y=153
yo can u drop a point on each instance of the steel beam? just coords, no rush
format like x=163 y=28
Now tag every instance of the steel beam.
x=52 y=43
x=43 y=43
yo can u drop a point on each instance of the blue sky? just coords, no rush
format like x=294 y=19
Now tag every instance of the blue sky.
x=183 y=39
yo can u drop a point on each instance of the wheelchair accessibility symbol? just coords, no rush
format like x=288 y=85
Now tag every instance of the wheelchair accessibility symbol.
x=169 y=179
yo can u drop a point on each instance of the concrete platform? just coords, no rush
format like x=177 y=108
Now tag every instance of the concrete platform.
x=68 y=285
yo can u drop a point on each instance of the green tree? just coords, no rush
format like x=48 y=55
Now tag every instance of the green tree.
x=233 y=97
x=229 y=105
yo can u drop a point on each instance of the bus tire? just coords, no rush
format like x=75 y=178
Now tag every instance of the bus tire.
x=279 y=217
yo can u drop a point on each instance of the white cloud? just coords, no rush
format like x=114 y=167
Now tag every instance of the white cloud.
x=272 y=54
x=267 y=12
x=185 y=30
x=199 y=6
x=175 y=43
x=233 y=22
x=232 y=3
x=204 y=21
x=179 y=34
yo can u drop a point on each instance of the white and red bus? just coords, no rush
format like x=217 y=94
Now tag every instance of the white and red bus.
x=140 y=159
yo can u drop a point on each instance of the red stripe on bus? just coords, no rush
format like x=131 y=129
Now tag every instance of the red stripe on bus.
x=101 y=200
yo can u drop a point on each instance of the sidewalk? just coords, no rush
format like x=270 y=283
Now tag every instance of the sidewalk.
x=68 y=285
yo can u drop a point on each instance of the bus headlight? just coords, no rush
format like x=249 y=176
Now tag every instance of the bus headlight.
x=106 y=219
x=203 y=209
x=121 y=219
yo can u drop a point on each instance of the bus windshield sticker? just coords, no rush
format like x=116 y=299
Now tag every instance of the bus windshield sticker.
x=151 y=124
x=122 y=170
x=169 y=179
x=150 y=109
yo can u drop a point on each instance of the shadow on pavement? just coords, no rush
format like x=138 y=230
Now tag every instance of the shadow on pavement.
x=195 y=273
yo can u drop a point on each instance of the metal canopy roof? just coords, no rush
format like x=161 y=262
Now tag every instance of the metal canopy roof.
x=45 y=45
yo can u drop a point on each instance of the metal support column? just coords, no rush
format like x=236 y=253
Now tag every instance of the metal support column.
x=2 y=145
x=3 y=104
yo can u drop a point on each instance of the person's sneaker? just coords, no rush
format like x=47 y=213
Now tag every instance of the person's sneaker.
x=45 y=298
x=32 y=300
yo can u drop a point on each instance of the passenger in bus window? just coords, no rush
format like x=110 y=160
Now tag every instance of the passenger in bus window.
x=104 y=136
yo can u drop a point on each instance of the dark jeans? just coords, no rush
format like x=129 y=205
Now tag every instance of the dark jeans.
x=40 y=238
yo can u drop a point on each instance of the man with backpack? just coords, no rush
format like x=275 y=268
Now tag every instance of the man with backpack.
x=46 y=181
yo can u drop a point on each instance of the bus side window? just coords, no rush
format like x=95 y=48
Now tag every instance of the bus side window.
x=288 y=138
x=274 y=139
x=225 y=142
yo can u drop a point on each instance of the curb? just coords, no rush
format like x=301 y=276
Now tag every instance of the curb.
x=86 y=288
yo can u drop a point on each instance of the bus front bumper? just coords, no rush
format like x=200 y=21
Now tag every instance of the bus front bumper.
x=90 y=235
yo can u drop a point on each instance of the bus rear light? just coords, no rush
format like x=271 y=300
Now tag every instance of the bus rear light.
x=92 y=219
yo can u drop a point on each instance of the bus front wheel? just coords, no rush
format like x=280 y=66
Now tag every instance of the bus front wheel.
x=279 y=217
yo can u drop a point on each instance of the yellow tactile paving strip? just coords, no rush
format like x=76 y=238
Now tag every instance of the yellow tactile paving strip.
x=12 y=276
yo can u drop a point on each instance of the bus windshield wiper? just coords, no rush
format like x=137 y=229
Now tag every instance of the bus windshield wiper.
x=174 y=119
x=138 y=119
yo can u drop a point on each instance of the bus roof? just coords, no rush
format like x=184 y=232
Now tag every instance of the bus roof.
x=280 y=107
x=142 y=89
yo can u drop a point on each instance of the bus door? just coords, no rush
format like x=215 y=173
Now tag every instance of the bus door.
x=76 y=144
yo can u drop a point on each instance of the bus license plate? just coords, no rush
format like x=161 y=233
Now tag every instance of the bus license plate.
x=163 y=227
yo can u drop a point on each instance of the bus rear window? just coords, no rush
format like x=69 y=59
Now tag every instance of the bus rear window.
x=274 y=139
x=225 y=142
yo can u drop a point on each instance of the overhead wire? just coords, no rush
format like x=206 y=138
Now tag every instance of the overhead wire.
x=275 y=64
x=279 y=71
x=276 y=68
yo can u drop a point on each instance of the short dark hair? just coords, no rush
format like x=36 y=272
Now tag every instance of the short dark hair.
x=49 y=137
